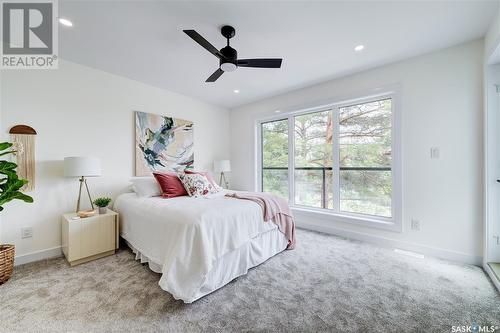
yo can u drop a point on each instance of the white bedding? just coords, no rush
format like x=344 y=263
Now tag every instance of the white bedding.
x=200 y=244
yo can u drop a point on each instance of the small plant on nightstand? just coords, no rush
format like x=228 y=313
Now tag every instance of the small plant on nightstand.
x=102 y=203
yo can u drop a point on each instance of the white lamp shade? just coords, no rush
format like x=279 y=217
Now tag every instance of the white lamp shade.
x=222 y=166
x=82 y=166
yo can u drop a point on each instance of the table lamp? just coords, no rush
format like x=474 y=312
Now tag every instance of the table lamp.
x=222 y=166
x=81 y=167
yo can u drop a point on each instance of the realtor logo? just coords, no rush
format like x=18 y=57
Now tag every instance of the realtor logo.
x=29 y=34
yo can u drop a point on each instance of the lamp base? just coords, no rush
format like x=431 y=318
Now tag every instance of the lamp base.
x=222 y=176
x=83 y=181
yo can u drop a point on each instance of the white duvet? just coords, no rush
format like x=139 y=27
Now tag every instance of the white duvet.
x=186 y=236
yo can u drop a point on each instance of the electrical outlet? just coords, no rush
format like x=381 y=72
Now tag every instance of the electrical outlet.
x=435 y=152
x=26 y=232
x=415 y=225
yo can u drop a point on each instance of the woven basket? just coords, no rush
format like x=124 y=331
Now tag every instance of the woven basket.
x=6 y=262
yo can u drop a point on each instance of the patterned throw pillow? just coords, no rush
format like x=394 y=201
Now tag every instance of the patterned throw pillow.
x=197 y=185
x=209 y=176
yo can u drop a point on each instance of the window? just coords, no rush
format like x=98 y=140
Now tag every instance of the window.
x=275 y=157
x=342 y=159
x=365 y=158
x=313 y=159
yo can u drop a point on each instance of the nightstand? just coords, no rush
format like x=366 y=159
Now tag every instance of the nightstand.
x=86 y=239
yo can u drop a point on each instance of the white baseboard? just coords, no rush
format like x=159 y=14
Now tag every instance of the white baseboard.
x=38 y=255
x=395 y=244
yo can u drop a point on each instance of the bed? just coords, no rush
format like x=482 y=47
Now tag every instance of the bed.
x=197 y=244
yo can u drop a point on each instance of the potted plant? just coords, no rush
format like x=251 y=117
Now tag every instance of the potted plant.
x=102 y=203
x=10 y=184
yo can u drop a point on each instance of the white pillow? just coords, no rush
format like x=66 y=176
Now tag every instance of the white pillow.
x=146 y=186
x=197 y=185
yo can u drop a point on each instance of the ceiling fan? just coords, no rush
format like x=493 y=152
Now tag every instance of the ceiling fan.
x=228 y=56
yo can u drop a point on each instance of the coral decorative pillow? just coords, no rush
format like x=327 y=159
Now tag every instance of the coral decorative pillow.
x=197 y=185
x=170 y=184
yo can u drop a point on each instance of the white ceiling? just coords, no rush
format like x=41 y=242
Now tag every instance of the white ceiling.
x=143 y=40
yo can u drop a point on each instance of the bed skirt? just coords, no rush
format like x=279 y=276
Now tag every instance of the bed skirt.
x=230 y=266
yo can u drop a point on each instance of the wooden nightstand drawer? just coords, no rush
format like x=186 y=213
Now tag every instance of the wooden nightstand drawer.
x=89 y=238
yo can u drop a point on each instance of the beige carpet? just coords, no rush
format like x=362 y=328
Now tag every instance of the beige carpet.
x=327 y=284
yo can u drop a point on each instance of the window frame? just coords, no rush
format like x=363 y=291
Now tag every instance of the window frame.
x=394 y=223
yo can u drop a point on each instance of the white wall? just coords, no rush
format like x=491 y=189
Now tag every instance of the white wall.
x=77 y=110
x=441 y=106
x=492 y=41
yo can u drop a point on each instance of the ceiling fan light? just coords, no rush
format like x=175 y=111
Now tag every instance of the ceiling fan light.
x=359 y=48
x=228 y=67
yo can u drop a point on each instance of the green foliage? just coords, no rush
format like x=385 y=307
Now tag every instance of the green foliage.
x=10 y=184
x=275 y=144
x=365 y=141
x=102 y=202
x=313 y=140
x=276 y=181
x=275 y=155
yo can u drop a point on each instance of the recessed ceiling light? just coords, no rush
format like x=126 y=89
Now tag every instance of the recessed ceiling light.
x=359 y=48
x=66 y=22
x=236 y=91
x=277 y=111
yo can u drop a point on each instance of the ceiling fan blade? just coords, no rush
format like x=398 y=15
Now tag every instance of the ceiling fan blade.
x=203 y=42
x=215 y=75
x=260 y=63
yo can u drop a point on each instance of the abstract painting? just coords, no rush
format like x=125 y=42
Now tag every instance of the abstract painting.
x=162 y=144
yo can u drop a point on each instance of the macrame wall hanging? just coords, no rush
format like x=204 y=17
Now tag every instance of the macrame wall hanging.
x=23 y=138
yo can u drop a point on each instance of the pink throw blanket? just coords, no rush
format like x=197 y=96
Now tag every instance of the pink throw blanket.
x=274 y=209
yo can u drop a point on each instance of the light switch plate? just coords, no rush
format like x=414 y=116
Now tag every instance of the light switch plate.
x=435 y=152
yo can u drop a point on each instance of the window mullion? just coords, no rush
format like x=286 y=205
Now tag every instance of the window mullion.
x=336 y=160
x=395 y=195
x=291 y=160
x=260 y=159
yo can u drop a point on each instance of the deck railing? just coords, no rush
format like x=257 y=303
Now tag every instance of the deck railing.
x=324 y=195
